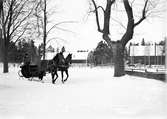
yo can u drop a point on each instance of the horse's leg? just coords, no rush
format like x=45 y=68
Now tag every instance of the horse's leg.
x=62 y=76
x=53 y=75
x=56 y=76
x=41 y=75
x=67 y=75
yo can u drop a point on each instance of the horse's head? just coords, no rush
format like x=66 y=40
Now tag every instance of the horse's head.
x=68 y=59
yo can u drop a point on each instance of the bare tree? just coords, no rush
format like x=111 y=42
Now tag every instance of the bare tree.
x=14 y=14
x=44 y=24
x=146 y=7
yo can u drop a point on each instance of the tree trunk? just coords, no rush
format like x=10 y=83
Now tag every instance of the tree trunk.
x=1 y=52
x=5 y=60
x=118 y=53
x=44 y=31
x=1 y=7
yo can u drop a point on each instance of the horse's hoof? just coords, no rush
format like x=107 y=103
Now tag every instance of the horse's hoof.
x=53 y=81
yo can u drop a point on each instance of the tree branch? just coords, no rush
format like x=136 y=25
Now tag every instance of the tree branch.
x=130 y=26
x=18 y=38
x=143 y=14
x=10 y=20
x=107 y=14
x=55 y=39
x=64 y=29
x=55 y=26
x=97 y=16
x=18 y=24
x=99 y=8
x=119 y=23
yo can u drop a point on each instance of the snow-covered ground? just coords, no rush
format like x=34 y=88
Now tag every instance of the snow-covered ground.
x=144 y=68
x=89 y=93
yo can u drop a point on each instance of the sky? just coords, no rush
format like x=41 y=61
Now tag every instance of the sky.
x=83 y=31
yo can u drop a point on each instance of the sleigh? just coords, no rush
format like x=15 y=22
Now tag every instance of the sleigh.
x=38 y=71
x=31 y=71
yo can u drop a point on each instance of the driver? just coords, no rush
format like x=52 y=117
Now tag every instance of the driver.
x=61 y=57
x=26 y=59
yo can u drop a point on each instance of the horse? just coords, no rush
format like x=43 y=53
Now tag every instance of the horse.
x=63 y=68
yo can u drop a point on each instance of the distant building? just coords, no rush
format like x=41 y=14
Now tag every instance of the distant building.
x=50 y=49
x=80 y=56
x=50 y=53
x=148 y=54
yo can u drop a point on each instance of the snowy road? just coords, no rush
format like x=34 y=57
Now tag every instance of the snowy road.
x=89 y=93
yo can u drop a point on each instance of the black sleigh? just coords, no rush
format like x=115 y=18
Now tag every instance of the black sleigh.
x=30 y=71
x=34 y=71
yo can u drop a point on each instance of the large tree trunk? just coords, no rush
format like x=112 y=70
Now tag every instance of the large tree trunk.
x=1 y=7
x=1 y=52
x=118 y=53
x=118 y=47
x=5 y=60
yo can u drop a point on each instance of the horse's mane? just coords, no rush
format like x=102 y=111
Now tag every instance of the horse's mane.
x=69 y=57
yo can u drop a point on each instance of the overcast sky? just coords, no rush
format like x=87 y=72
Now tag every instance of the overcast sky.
x=84 y=33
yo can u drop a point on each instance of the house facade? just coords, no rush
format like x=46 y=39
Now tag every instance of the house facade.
x=147 y=54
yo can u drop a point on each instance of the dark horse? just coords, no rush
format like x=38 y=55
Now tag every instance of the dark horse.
x=63 y=67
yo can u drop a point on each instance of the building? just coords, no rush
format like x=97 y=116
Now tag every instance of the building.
x=50 y=53
x=147 y=54
x=80 y=56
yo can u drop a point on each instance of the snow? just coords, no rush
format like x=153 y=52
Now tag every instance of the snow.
x=148 y=68
x=89 y=93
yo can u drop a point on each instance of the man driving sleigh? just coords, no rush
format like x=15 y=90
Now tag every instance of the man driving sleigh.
x=59 y=58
